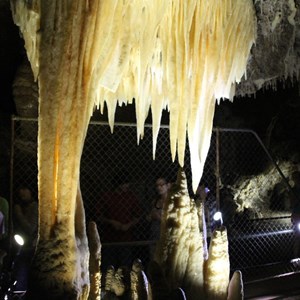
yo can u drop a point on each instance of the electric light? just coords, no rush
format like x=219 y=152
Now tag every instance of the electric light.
x=19 y=239
x=218 y=216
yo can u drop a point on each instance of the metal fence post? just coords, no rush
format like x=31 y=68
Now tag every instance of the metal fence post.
x=253 y=240
x=12 y=153
x=217 y=169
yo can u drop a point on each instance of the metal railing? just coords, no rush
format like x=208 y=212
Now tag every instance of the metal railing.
x=234 y=155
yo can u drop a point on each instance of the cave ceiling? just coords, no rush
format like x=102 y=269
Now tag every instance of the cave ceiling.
x=272 y=70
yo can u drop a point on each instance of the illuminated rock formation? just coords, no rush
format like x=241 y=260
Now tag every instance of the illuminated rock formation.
x=180 y=54
x=217 y=266
x=180 y=250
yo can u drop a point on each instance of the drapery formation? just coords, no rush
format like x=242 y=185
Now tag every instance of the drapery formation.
x=177 y=54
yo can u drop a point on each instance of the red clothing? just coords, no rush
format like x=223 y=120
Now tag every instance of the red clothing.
x=122 y=207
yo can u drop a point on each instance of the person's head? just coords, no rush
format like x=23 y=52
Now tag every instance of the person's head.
x=162 y=186
x=25 y=195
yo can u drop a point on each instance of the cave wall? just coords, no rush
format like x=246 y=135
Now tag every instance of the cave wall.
x=275 y=55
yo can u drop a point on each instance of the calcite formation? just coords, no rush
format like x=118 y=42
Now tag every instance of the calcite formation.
x=179 y=54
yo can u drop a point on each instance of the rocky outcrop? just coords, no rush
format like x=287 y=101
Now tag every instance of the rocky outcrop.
x=275 y=55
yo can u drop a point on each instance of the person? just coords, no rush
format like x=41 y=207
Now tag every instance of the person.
x=295 y=206
x=118 y=213
x=25 y=214
x=162 y=188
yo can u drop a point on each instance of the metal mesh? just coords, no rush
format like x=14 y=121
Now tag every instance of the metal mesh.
x=24 y=151
x=254 y=239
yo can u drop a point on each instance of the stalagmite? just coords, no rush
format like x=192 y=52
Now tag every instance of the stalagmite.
x=57 y=52
x=202 y=225
x=235 y=288
x=140 y=287
x=83 y=53
x=94 y=262
x=120 y=282
x=193 y=281
x=216 y=272
x=180 y=248
x=109 y=277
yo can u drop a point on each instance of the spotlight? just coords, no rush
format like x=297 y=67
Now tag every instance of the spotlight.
x=19 y=239
x=218 y=218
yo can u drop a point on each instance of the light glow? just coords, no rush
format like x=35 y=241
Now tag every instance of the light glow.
x=19 y=239
x=218 y=216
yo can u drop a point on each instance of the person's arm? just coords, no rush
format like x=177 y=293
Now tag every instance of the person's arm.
x=155 y=214
x=127 y=226
x=115 y=224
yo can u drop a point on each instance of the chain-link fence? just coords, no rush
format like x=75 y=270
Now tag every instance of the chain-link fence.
x=235 y=157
